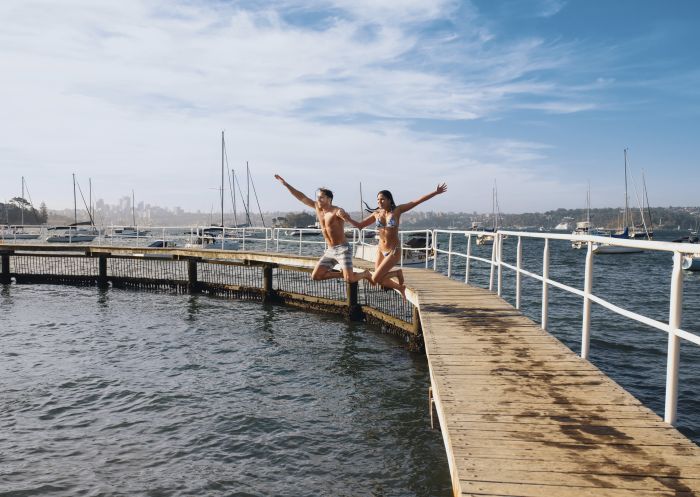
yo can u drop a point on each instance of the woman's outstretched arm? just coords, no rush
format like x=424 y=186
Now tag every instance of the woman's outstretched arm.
x=441 y=188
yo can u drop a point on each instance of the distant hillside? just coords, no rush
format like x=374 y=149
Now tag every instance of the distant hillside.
x=662 y=217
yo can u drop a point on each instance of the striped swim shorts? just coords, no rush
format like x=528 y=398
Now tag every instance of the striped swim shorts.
x=338 y=254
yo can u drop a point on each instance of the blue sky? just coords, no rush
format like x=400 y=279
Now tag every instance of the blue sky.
x=541 y=96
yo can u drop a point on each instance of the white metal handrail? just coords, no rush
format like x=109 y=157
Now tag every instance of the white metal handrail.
x=427 y=249
x=675 y=333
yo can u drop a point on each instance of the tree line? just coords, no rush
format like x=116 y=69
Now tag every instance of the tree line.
x=19 y=210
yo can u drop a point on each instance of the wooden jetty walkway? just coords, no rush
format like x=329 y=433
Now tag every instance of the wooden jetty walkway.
x=522 y=415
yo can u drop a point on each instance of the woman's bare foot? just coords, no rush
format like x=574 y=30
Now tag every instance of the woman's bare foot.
x=402 y=291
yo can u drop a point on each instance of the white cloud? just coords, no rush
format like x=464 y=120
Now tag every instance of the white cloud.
x=135 y=94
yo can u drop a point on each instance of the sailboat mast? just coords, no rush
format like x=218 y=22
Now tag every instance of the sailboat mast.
x=233 y=195
x=247 y=172
x=21 y=205
x=133 y=208
x=625 y=220
x=91 y=211
x=75 y=203
x=646 y=196
x=493 y=205
x=588 y=205
x=222 y=180
x=361 y=207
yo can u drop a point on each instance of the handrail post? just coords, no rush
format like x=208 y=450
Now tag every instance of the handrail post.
x=469 y=258
x=301 y=233
x=518 y=275
x=435 y=250
x=401 y=248
x=545 y=287
x=587 y=289
x=493 y=263
x=674 y=345
x=277 y=239
x=5 y=275
x=499 y=259
x=449 y=256
x=428 y=243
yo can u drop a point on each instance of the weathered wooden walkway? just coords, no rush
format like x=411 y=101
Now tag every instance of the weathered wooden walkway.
x=522 y=415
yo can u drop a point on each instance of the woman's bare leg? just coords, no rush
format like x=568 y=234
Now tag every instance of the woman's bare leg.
x=383 y=274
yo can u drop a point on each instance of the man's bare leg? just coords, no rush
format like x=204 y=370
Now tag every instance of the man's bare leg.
x=324 y=273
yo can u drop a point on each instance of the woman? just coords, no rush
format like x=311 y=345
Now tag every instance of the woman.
x=386 y=218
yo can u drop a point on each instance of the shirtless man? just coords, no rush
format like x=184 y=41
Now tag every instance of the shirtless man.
x=332 y=220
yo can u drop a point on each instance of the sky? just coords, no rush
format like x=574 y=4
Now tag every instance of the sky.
x=537 y=97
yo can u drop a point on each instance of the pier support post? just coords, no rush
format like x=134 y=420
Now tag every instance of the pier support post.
x=102 y=274
x=5 y=275
x=354 y=309
x=192 y=283
x=415 y=321
x=269 y=295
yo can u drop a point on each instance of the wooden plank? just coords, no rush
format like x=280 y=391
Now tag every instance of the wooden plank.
x=548 y=490
x=619 y=468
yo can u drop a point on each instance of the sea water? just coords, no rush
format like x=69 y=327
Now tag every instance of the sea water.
x=134 y=393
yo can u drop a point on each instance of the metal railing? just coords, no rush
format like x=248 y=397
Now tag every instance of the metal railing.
x=497 y=264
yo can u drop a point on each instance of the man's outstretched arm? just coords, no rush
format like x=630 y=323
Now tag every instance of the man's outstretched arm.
x=300 y=196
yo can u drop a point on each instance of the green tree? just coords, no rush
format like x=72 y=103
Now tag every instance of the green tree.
x=43 y=214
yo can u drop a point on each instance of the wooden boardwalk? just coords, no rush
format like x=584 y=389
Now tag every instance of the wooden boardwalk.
x=522 y=415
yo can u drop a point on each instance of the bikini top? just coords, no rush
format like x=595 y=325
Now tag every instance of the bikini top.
x=390 y=224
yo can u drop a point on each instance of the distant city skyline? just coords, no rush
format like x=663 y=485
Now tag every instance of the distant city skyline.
x=539 y=97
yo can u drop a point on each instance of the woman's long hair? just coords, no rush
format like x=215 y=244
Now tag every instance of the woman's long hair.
x=386 y=194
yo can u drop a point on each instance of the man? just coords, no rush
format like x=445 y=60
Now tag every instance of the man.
x=332 y=220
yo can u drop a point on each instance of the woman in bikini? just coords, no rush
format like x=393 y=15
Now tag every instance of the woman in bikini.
x=386 y=218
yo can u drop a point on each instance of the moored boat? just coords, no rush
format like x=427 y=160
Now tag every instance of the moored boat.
x=691 y=263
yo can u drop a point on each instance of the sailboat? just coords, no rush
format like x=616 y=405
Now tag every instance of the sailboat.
x=624 y=234
x=642 y=231
x=583 y=228
x=214 y=237
x=72 y=233
x=488 y=235
x=18 y=232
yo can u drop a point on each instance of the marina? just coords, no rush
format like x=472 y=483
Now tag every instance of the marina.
x=511 y=401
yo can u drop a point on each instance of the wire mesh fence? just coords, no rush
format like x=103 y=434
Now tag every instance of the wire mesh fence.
x=236 y=279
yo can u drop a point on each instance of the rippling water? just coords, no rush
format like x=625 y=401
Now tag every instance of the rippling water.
x=133 y=393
